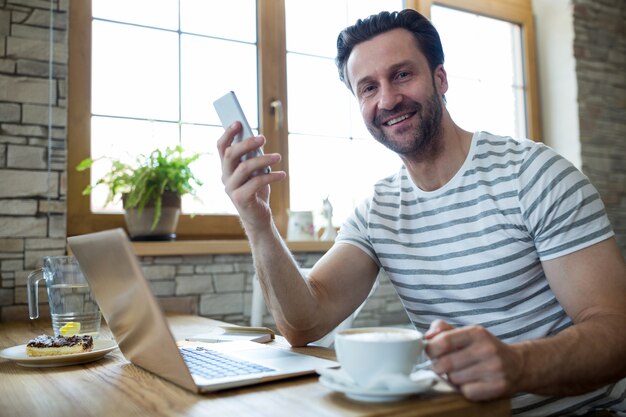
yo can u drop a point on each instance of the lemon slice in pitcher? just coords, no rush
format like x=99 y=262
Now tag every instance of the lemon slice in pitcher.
x=70 y=329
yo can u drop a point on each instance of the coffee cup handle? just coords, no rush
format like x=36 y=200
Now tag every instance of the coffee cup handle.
x=427 y=364
x=33 y=293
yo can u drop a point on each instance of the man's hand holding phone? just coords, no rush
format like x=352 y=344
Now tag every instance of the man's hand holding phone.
x=245 y=168
x=229 y=111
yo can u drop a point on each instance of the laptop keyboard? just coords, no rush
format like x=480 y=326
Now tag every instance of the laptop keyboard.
x=211 y=364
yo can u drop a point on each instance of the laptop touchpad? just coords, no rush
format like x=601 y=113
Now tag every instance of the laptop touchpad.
x=271 y=354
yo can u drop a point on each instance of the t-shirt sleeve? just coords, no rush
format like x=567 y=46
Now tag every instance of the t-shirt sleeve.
x=355 y=230
x=561 y=208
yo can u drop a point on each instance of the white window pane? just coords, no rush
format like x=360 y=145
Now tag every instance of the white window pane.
x=354 y=168
x=371 y=162
x=476 y=46
x=521 y=127
x=496 y=62
x=232 y=19
x=304 y=32
x=484 y=67
x=318 y=102
x=157 y=13
x=504 y=121
x=311 y=182
x=134 y=72
x=457 y=31
x=323 y=114
x=212 y=198
x=360 y=9
x=205 y=78
x=304 y=20
x=357 y=125
x=124 y=139
x=477 y=105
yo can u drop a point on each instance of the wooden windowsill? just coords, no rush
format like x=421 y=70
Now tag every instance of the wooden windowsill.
x=217 y=247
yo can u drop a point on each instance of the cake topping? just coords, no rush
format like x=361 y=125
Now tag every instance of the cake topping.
x=44 y=341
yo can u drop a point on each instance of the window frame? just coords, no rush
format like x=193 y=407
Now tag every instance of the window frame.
x=272 y=86
x=272 y=55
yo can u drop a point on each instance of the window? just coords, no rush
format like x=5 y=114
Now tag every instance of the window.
x=490 y=62
x=163 y=66
x=486 y=83
x=331 y=153
x=144 y=73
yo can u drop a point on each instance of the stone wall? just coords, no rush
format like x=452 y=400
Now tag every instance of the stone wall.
x=220 y=286
x=600 y=52
x=32 y=144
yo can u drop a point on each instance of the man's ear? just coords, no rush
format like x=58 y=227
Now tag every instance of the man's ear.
x=441 y=79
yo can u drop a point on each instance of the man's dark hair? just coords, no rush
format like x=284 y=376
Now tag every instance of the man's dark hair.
x=425 y=34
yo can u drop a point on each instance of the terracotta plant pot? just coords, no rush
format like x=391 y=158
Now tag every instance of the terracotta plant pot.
x=140 y=225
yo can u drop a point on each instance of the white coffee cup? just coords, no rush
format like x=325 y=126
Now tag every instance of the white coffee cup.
x=300 y=225
x=370 y=353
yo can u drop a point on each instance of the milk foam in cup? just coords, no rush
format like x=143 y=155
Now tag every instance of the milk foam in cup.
x=72 y=306
x=368 y=354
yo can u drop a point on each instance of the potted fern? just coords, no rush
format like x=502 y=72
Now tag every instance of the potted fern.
x=151 y=190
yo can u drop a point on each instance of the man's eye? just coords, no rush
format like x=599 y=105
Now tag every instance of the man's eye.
x=402 y=74
x=368 y=90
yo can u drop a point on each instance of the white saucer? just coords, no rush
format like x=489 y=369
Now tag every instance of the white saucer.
x=377 y=394
x=18 y=355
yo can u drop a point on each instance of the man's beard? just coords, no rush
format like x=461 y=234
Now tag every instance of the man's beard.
x=425 y=143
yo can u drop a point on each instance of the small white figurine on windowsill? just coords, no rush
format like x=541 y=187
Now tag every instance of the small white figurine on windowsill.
x=327 y=212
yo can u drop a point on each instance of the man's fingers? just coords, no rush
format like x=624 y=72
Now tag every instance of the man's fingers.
x=461 y=362
x=242 y=196
x=226 y=139
x=436 y=327
x=476 y=361
x=231 y=159
x=484 y=390
x=448 y=342
x=243 y=171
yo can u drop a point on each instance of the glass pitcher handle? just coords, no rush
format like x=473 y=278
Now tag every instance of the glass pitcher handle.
x=33 y=293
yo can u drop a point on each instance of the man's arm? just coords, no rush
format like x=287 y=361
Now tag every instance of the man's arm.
x=307 y=309
x=590 y=284
x=304 y=309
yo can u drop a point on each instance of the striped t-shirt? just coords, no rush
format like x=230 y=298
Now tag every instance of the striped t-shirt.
x=471 y=251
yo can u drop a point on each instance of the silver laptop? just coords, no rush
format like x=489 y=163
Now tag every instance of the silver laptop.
x=143 y=335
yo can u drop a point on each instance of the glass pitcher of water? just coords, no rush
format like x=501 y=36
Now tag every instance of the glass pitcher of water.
x=72 y=306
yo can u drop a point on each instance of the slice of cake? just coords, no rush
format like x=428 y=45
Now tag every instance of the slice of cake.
x=58 y=345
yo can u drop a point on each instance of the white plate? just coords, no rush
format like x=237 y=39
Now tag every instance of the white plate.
x=18 y=355
x=377 y=394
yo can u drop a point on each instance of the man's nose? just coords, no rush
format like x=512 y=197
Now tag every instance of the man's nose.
x=389 y=97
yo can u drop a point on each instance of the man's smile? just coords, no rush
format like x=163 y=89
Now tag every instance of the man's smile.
x=398 y=119
x=391 y=117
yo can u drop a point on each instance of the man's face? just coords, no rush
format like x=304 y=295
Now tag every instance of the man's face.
x=399 y=97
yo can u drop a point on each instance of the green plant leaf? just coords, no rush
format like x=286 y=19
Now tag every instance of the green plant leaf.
x=144 y=183
x=84 y=164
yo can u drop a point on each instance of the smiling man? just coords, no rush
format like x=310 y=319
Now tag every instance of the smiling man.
x=499 y=249
x=413 y=114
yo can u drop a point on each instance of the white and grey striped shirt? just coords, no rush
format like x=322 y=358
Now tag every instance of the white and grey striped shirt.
x=471 y=251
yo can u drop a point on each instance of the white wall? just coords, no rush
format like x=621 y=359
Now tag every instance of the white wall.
x=554 y=27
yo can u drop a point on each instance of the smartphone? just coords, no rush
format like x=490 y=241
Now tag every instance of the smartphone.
x=229 y=111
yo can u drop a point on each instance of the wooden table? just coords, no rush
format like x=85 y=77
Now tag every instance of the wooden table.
x=113 y=386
